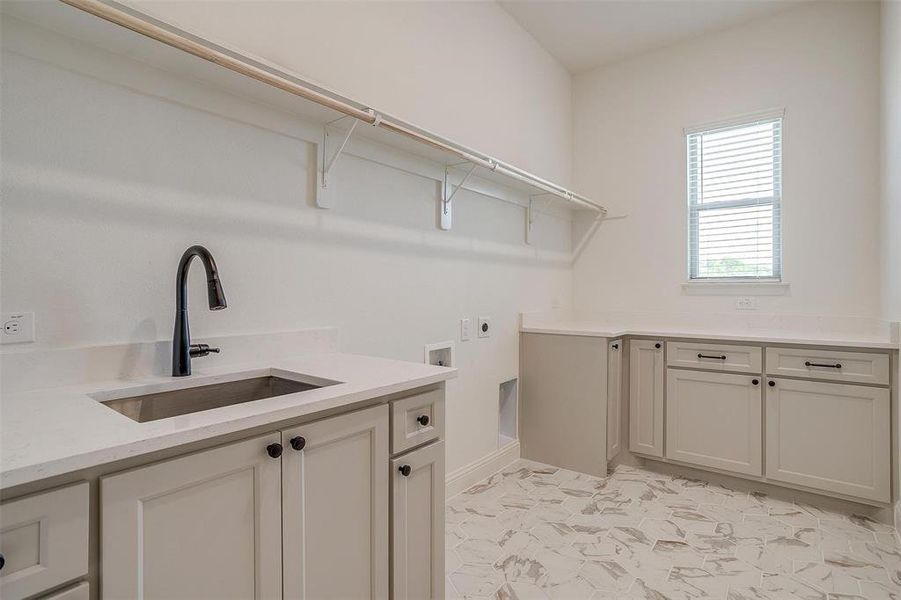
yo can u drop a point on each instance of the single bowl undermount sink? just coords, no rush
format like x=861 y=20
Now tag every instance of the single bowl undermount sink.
x=151 y=406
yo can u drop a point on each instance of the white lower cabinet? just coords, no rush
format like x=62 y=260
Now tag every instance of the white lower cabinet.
x=335 y=507
x=417 y=524
x=207 y=525
x=646 y=397
x=714 y=420
x=829 y=436
x=303 y=514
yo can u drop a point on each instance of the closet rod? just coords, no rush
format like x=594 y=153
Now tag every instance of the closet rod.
x=242 y=66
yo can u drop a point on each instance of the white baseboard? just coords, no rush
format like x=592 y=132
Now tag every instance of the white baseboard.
x=474 y=472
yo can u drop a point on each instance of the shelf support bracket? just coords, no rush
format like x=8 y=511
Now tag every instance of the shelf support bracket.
x=448 y=191
x=530 y=214
x=326 y=163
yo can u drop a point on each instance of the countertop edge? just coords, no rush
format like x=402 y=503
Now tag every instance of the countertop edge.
x=590 y=331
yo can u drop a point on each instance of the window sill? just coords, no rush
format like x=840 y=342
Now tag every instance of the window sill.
x=735 y=288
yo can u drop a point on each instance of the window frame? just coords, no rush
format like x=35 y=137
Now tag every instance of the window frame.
x=695 y=208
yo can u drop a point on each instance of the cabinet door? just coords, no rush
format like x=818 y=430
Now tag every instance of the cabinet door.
x=417 y=531
x=614 y=397
x=646 y=397
x=714 y=420
x=207 y=525
x=829 y=436
x=335 y=507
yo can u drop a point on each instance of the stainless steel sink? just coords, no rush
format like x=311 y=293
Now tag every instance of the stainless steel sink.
x=160 y=405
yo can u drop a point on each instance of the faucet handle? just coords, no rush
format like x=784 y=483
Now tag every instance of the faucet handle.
x=202 y=350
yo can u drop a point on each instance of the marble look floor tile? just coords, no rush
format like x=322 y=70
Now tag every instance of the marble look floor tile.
x=519 y=590
x=474 y=580
x=606 y=575
x=539 y=532
x=678 y=554
x=478 y=552
x=822 y=577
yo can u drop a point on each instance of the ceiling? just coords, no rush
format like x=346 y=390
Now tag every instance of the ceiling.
x=583 y=34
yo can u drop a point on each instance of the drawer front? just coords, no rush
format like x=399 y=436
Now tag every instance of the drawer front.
x=416 y=420
x=44 y=541
x=714 y=356
x=82 y=591
x=829 y=436
x=857 y=367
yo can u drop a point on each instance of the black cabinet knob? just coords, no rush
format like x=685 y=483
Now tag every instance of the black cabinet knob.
x=615 y=346
x=755 y=381
x=274 y=450
x=2 y=561
x=298 y=443
x=657 y=345
x=423 y=420
x=405 y=470
x=771 y=383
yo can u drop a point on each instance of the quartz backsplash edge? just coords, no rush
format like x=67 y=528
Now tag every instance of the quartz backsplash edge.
x=49 y=368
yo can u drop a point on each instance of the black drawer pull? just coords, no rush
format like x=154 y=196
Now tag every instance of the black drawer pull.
x=720 y=357
x=835 y=366
x=405 y=470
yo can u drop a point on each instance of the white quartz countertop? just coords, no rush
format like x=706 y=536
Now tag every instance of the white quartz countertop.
x=50 y=432
x=607 y=330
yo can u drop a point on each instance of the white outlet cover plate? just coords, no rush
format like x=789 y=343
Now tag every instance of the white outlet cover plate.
x=484 y=327
x=16 y=328
x=746 y=303
x=465 y=330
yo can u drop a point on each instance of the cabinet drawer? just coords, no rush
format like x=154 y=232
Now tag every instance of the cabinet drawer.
x=82 y=591
x=44 y=541
x=416 y=420
x=721 y=357
x=859 y=367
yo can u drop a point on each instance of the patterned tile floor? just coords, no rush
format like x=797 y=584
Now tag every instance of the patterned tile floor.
x=538 y=532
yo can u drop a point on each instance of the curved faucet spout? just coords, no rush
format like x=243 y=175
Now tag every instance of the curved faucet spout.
x=181 y=338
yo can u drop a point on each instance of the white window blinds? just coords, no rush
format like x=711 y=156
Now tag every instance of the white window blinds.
x=734 y=198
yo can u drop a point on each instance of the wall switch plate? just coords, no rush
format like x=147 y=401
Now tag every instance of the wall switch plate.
x=746 y=303
x=465 y=330
x=16 y=328
x=484 y=327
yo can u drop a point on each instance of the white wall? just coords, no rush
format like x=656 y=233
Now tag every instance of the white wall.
x=111 y=169
x=820 y=63
x=891 y=160
x=465 y=70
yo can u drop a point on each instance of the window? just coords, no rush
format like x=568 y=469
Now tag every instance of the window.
x=734 y=198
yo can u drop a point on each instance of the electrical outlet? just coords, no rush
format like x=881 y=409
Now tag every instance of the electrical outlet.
x=465 y=331
x=17 y=328
x=746 y=303
x=484 y=327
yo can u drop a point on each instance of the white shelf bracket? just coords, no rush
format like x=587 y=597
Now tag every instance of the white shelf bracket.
x=325 y=164
x=448 y=191
x=530 y=214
